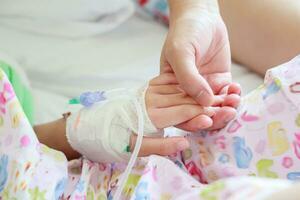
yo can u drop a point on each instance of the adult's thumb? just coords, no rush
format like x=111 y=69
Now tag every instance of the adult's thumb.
x=191 y=81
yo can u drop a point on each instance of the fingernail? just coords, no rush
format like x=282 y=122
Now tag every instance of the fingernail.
x=182 y=145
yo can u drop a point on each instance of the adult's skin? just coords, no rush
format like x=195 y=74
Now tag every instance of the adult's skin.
x=262 y=34
x=197 y=50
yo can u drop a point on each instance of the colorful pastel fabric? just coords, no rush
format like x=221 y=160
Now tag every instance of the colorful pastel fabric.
x=22 y=90
x=157 y=8
x=263 y=140
x=28 y=169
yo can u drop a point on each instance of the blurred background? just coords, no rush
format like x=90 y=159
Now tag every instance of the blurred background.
x=68 y=47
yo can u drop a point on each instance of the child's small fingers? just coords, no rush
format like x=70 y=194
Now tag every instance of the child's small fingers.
x=198 y=123
x=163 y=79
x=222 y=117
x=165 y=89
x=163 y=101
x=171 y=116
x=160 y=146
x=232 y=100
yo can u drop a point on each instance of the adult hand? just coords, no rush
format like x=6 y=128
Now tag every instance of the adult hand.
x=197 y=50
x=167 y=105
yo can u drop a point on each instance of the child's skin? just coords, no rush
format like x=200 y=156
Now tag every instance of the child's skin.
x=167 y=105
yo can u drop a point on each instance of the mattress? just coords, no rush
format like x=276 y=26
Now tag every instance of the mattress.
x=60 y=68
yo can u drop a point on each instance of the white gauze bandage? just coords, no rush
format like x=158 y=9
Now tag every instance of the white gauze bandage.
x=101 y=132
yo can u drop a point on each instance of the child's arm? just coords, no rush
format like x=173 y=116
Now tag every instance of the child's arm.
x=166 y=106
x=53 y=134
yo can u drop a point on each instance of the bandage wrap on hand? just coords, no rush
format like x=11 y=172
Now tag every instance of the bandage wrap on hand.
x=102 y=131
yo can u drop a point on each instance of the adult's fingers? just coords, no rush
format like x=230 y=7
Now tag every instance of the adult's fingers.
x=218 y=81
x=232 y=100
x=160 y=146
x=184 y=66
x=171 y=116
x=218 y=100
x=234 y=88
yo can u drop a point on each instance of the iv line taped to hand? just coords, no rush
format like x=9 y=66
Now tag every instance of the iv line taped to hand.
x=135 y=152
x=88 y=99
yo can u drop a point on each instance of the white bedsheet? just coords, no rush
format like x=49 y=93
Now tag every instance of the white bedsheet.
x=68 y=18
x=60 y=68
